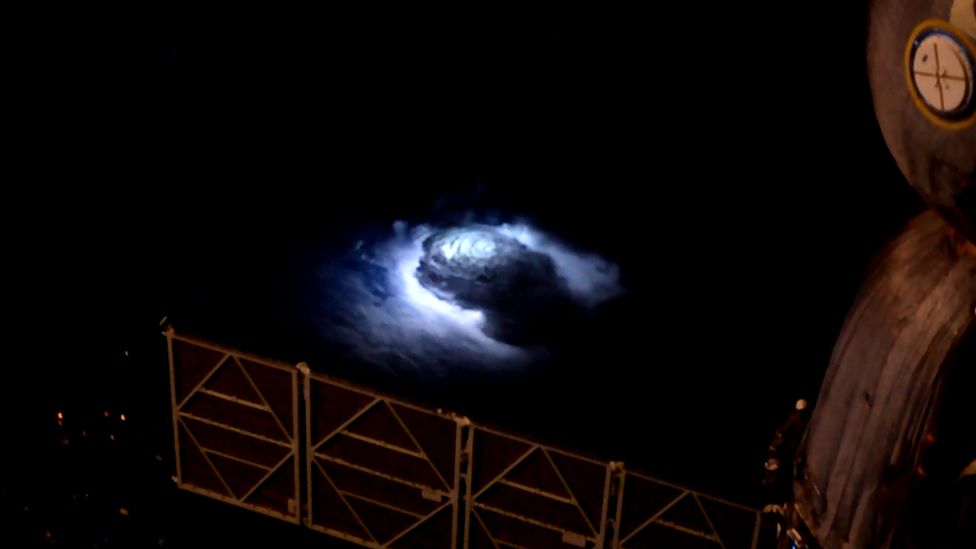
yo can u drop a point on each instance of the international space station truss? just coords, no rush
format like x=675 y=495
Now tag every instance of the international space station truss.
x=343 y=460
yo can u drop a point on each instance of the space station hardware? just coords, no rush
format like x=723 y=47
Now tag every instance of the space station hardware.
x=377 y=471
x=894 y=426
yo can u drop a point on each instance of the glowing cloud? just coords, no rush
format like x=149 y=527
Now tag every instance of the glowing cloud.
x=388 y=310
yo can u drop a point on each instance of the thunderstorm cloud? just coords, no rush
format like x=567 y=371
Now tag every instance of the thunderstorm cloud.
x=475 y=295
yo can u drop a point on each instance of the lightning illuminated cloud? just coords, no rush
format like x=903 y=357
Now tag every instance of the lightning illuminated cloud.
x=477 y=295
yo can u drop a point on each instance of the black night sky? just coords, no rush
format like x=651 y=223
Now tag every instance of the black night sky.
x=193 y=165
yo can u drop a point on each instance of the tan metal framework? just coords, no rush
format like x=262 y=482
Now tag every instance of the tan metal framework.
x=381 y=472
x=653 y=513
x=384 y=473
x=235 y=426
x=525 y=494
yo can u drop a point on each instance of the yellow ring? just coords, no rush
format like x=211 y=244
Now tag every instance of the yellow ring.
x=962 y=38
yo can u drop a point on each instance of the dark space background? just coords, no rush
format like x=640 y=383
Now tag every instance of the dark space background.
x=185 y=164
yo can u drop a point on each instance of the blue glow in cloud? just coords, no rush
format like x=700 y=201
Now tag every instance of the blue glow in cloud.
x=471 y=295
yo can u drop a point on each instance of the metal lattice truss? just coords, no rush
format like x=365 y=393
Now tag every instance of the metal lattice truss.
x=524 y=494
x=381 y=472
x=235 y=426
x=384 y=473
x=655 y=513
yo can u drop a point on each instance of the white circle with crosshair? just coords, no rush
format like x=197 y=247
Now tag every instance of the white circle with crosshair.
x=942 y=71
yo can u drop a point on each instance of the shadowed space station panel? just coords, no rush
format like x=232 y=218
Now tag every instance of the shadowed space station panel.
x=884 y=460
x=381 y=472
x=235 y=421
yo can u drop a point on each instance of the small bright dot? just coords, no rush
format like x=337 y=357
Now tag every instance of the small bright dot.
x=60 y=416
x=122 y=417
